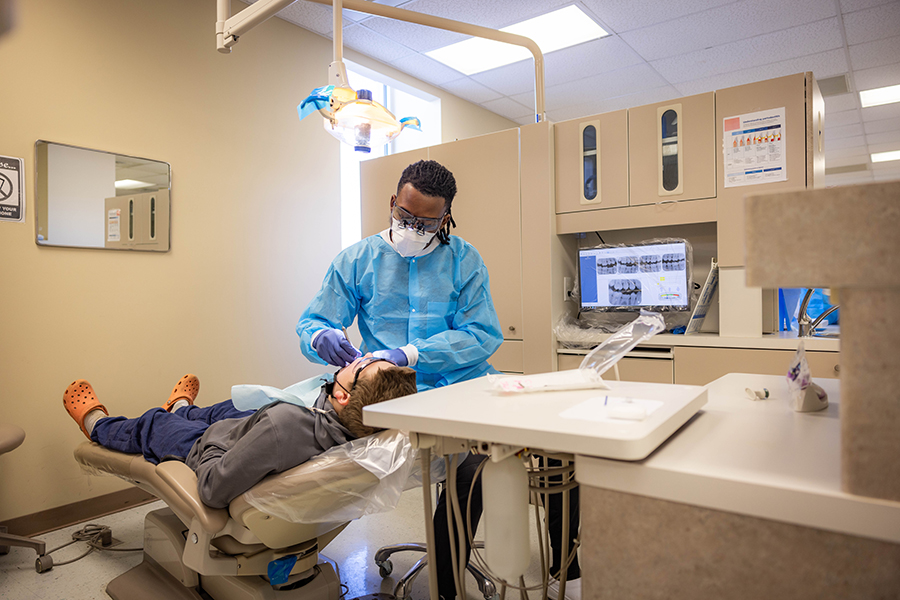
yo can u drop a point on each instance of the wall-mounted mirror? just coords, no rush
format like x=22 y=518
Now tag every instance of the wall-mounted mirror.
x=93 y=199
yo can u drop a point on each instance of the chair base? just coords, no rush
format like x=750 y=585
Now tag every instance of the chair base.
x=404 y=586
x=7 y=540
x=163 y=575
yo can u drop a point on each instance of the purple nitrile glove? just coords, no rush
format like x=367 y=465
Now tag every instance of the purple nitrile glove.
x=334 y=348
x=396 y=356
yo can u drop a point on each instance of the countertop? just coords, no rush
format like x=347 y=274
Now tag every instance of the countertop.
x=757 y=458
x=785 y=340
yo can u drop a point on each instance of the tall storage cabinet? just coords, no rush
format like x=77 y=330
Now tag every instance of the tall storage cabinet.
x=804 y=110
x=487 y=214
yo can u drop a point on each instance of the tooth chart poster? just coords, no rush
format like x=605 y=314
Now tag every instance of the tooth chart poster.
x=753 y=145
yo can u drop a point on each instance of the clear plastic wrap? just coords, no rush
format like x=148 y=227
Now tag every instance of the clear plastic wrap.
x=631 y=281
x=362 y=477
x=604 y=356
x=588 y=375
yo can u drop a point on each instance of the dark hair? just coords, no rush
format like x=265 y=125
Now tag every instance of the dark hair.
x=384 y=384
x=431 y=178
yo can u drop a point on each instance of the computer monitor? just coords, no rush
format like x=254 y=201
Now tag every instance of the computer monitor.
x=653 y=275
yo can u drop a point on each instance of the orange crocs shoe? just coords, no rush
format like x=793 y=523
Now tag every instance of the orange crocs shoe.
x=187 y=388
x=80 y=399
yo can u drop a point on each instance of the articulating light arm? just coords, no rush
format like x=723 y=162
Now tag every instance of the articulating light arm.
x=229 y=28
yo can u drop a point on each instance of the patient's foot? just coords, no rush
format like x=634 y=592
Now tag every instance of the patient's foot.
x=82 y=405
x=184 y=394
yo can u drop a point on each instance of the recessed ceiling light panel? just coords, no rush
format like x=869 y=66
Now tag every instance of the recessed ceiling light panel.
x=880 y=96
x=553 y=31
x=885 y=156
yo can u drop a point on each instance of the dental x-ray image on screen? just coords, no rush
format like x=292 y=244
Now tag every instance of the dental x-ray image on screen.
x=653 y=275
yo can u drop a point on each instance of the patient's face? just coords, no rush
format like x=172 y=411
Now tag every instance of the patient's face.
x=363 y=367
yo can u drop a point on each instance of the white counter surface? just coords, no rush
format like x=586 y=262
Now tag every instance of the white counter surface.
x=754 y=458
x=785 y=340
x=573 y=422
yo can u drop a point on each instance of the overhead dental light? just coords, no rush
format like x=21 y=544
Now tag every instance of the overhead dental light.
x=353 y=117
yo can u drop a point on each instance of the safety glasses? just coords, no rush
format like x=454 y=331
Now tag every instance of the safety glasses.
x=421 y=225
x=362 y=365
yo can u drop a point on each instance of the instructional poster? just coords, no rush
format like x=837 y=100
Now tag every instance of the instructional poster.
x=753 y=145
x=12 y=190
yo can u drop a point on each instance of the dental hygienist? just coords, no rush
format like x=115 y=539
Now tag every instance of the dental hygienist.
x=422 y=297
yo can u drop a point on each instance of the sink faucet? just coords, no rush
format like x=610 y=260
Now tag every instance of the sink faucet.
x=806 y=324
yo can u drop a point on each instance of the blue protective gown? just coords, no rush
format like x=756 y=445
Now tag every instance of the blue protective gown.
x=440 y=303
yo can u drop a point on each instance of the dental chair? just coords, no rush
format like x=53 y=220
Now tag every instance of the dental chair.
x=228 y=553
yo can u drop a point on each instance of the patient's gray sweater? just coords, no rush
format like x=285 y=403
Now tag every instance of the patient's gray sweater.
x=235 y=454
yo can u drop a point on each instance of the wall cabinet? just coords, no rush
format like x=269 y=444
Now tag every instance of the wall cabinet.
x=672 y=150
x=592 y=162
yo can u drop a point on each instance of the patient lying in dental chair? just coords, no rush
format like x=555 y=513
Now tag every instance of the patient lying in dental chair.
x=231 y=450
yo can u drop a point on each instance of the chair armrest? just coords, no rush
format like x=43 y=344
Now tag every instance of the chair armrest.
x=182 y=483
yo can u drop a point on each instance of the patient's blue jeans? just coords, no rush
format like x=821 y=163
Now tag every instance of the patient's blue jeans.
x=159 y=435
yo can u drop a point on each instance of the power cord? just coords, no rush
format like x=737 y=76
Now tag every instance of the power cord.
x=97 y=537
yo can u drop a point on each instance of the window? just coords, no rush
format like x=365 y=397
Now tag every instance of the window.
x=403 y=101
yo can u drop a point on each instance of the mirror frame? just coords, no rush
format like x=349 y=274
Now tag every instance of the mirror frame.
x=43 y=198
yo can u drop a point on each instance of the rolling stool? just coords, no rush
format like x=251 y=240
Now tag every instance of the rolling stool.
x=404 y=586
x=11 y=437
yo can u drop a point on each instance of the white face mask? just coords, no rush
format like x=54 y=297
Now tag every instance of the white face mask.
x=407 y=242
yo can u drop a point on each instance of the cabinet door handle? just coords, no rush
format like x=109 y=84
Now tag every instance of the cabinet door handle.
x=837 y=368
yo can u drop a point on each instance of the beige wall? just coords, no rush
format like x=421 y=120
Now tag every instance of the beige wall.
x=255 y=218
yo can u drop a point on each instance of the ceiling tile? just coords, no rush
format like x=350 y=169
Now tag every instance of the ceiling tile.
x=418 y=37
x=867 y=79
x=724 y=24
x=839 y=119
x=625 y=15
x=621 y=82
x=505 y=107
x=471 y=90
x=844 y=179
x=837 y=133
x=855 y=159
x=584 y=109
x=882 y=125
x=825 y=64
x=888 y=146
x=562 y=66
x=802 y=40
x=360 y=37
x=850 y=142
x=854 y=5
x=872 y=24
x=841 y=103
x=875 y=54
x=487 y=13
x=884 y=137
x=426 y=69
x=877 y=113
x=315 y=17
x=881 y=176
x=839 y=153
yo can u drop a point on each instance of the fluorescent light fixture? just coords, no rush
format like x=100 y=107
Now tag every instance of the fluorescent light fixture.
x=885 y=156
x=131 y=184
x=553 y=31
x=879 y=96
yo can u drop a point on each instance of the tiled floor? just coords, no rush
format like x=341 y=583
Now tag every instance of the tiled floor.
x=352 y=550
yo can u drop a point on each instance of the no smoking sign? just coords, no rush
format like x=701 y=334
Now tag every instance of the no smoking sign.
x=12 y=189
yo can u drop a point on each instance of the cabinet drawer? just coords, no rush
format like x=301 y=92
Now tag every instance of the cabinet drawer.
x=647 y=370
x=700 y=366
